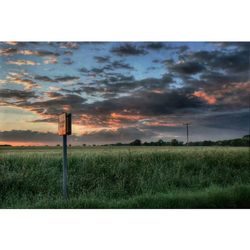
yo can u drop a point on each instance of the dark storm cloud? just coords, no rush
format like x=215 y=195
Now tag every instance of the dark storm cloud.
x=68 y=53
x=187 y=68
x=108 y=68
x=53 y=94
x=235 y=97
x=239 y=45
x=102 y=59
x=155 y=45
x=156 y=61
x=112 y=66
x=108 y=78
x=84 y=70
x=118 y=77
x=53 y=106
x=120 y=135
x=67 y=61
x=128 y=50
x=71 y=90
x=220 y=78
x=46 y=53
x=178 y=49
x=90 y=89
x=147 y=103
x=183 y=48
x=97 y=70
x=28 y=135
x=156 y=82
x=230 y=61
x=220 y=75
x=56 y=79
x=213 y=80
x=43 y=78
x=116 y=84
x=107 y=91
x=229 y=120
x=167 y=46
x=66 y=78
x=119 y=65
x=17 y=94
x=142 y=102
x=233 y=62
x=217 y=62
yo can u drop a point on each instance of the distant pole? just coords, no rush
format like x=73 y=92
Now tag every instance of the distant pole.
x=187 y=124
x=65 y=168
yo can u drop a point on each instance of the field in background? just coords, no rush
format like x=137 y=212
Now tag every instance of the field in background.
x=126 y=177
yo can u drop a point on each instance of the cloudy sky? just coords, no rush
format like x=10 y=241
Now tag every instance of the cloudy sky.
x=118 y=92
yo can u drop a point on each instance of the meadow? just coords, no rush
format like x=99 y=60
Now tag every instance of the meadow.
x=126 y=177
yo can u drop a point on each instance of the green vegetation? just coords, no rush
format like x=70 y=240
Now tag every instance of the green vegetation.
x=126 y=177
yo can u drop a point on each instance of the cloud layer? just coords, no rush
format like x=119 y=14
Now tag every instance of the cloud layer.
x=123 y=91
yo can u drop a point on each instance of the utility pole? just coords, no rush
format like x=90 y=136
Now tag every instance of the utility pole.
x=187 y=124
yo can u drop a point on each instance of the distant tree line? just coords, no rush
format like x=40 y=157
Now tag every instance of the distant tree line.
x=239 y=142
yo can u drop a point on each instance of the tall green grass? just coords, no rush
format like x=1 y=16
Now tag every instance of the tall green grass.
x=126 y=177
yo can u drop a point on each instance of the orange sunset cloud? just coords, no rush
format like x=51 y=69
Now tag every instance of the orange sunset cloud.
x=127 y=117
x=210 y=99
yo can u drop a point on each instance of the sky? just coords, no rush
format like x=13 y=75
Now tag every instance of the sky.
x=122 y=91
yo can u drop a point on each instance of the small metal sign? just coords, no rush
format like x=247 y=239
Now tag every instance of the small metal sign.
x=64 y=124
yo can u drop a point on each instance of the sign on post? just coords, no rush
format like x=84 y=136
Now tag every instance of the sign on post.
x=64 y=129
x=64 y=124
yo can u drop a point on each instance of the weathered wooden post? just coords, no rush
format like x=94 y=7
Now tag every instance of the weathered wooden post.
x=64 y=129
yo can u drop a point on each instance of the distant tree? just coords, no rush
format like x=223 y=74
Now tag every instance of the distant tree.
x=160 y=142
x=174 y=142
x=136 y=143
x=84 y=145
x=207 y=143
x=58 y=145
x=70 y=145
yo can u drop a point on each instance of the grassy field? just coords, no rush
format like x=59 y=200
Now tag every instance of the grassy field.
x=126 y=177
